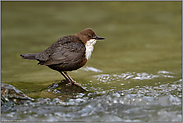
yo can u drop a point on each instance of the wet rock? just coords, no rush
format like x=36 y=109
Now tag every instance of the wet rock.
x=65 y=87
x=11 y=94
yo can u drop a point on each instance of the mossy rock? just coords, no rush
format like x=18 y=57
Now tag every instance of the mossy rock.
x=64 y=87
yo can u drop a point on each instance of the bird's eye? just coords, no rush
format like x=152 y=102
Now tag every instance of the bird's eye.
x=89 y=36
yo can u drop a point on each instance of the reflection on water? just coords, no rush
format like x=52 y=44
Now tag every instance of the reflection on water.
x=161 y=102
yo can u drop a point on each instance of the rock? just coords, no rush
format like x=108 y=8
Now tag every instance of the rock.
x=10 y=94
x=66 y=88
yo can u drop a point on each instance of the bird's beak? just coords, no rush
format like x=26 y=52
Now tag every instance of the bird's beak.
x=99 y=38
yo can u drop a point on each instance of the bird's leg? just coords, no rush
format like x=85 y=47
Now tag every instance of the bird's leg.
x=64 y=76
x=71 y=80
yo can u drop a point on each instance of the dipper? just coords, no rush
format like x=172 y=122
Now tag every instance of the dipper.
x=67 y=53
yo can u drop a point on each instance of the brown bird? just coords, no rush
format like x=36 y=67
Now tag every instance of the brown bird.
x=67 y=53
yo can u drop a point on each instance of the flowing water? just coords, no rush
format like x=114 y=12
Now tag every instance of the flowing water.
x=135 y=74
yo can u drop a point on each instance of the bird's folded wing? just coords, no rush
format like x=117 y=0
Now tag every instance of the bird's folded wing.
x=66 y=53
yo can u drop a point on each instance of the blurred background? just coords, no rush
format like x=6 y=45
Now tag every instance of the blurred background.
x=142 y=46
x=140 y=36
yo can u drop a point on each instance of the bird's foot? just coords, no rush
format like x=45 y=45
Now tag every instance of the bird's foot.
x=73 y=83
x=69 y=84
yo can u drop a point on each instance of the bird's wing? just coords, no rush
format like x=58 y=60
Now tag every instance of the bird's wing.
x=65 y=53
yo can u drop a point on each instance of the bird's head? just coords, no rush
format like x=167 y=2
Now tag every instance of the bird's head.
x=88 y=35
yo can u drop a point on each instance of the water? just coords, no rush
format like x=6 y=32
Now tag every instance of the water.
x=135 y=74
x=157 y=103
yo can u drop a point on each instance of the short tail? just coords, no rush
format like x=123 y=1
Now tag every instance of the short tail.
x=29 y=56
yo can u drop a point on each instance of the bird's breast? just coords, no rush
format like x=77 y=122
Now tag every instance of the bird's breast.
x=89 y=48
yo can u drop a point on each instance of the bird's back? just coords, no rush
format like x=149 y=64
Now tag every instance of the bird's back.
x=66 y=53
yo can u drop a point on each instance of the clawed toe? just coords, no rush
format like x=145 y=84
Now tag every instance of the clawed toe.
x=73 y=83
x=69 y=84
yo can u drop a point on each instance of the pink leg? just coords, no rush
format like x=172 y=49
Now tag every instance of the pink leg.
x=71 y=80
x=64 y=76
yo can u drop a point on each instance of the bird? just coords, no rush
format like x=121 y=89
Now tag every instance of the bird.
x=68 y=53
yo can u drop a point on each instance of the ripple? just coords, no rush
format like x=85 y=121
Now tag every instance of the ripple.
x=160 y=102
x=146 y=103
x=107 y=78
x=91 y=69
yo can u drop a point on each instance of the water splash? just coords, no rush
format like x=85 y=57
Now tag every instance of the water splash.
x=146 y=103
x=91 y=69
x=135 y=76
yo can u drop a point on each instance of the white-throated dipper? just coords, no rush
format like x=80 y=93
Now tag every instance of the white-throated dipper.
x=67 y=53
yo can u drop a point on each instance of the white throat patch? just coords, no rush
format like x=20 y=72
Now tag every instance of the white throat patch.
x=89 y=47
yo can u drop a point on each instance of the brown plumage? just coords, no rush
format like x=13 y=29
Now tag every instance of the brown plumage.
x=68 y=53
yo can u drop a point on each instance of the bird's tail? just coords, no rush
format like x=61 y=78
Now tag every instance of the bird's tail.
x=29 y=56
